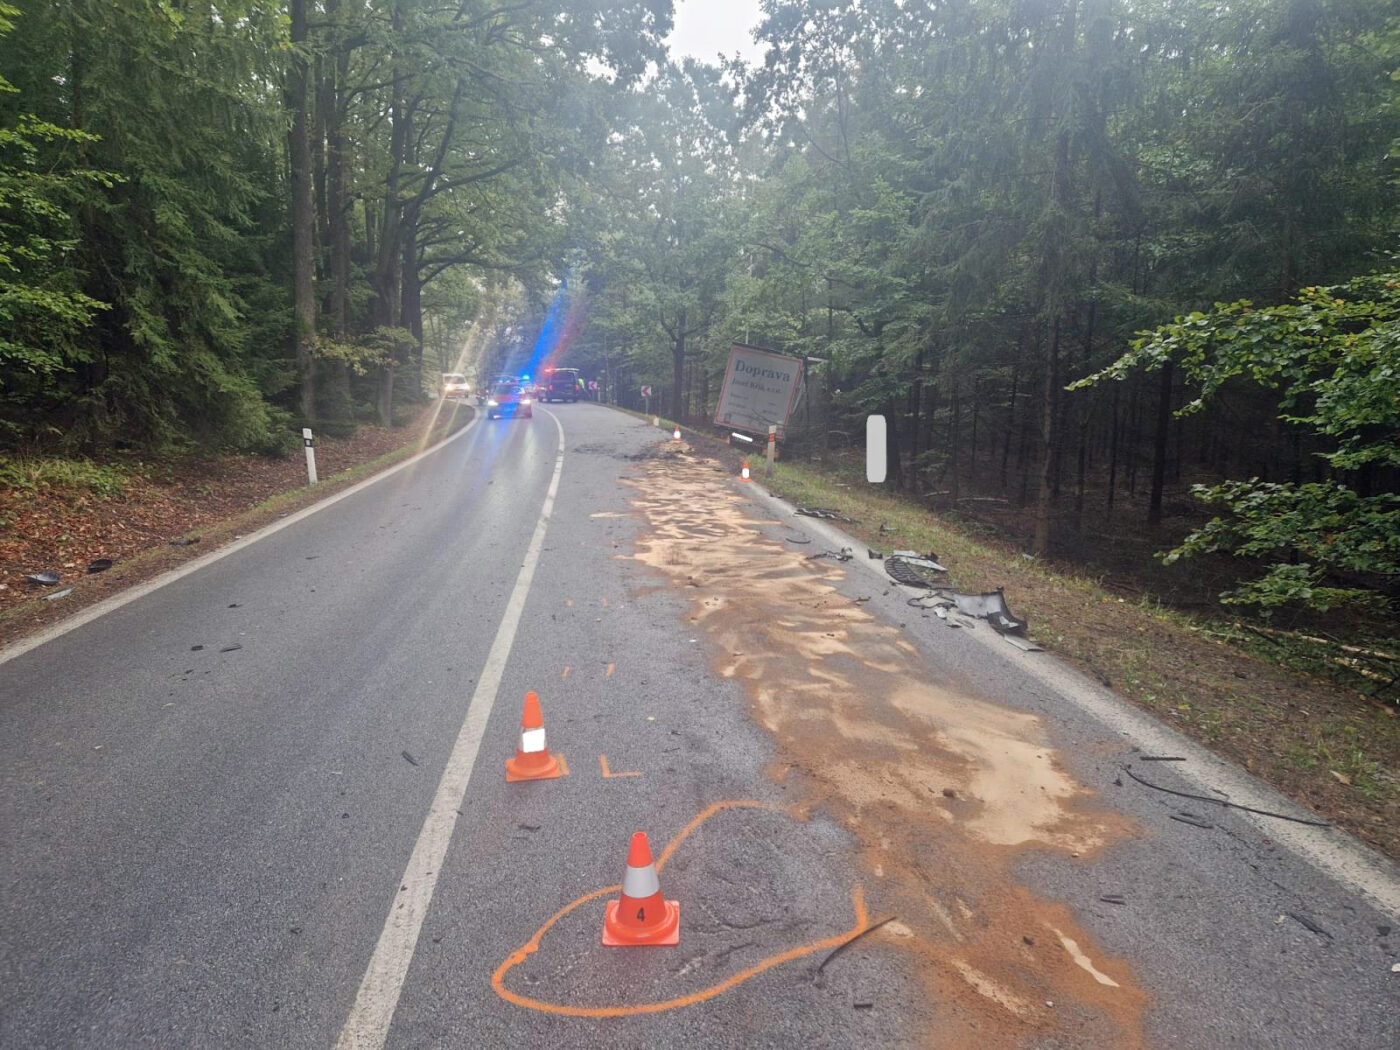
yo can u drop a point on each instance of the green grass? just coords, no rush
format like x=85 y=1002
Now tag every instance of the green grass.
x=35 y=473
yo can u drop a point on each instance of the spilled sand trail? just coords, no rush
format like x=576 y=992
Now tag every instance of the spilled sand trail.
x=940 y=788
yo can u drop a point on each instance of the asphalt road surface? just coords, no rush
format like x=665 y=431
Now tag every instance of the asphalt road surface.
x=264 y=805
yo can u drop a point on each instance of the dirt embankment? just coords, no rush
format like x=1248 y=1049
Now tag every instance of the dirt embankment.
x=941 y=788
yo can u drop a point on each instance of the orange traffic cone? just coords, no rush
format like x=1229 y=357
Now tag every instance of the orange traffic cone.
x=532 y=759
x=641 y=915
x=744 y=474
x=677 y=435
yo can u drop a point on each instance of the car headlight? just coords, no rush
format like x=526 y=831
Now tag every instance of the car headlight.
x=524 y=400
x=493 y=404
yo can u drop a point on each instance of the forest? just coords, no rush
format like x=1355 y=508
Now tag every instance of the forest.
x=1092 y=260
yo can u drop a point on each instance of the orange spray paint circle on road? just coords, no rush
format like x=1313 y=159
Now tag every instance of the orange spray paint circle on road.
x=733 y=981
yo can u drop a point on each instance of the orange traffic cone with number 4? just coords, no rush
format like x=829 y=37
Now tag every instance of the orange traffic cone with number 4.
x=744 y=474
x=641 y=916
x=532 y=759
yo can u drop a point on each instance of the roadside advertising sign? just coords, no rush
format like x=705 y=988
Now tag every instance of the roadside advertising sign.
x=760 y=390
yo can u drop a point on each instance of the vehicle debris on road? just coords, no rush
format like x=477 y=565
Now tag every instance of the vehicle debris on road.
x=825 y=514
x=844 y=554
x=47 y=578
x=923 y=561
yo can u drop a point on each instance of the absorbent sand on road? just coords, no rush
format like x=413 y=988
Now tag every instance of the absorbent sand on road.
x=941 y=788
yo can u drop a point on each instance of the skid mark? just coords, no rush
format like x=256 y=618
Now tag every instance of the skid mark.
x=530 y=947
x=940 y=786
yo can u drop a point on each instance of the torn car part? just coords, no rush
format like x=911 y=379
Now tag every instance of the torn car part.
x=45 y=579
x=902 y=572
x=990 y=606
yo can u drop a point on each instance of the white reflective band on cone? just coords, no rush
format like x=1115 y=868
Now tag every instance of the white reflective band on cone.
x=532 y=740
x=640 y=882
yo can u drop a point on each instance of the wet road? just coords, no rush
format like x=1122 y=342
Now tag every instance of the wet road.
x=308 y=839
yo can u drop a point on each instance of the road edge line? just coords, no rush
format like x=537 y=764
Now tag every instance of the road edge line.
x=1345 y=859
x=139 y=590
x=367 y=1026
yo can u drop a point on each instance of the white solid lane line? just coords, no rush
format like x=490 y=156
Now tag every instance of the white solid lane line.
x=368 y=1024
x=140 y=590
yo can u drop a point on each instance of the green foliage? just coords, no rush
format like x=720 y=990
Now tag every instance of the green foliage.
x=1332 y=359
x=36 y=473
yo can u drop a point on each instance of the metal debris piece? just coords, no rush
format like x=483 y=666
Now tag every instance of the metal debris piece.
x=100 y=565
x=887 y=528
x=1113 y=898
x=1160 y=758
x=791 y=540
x=990 y=606
x=58 y=594
x=852 y=940
x=231 y=648
x=825 y=514
x=1224 y=802
x=871 y=552
x=1024 y=644
x=906 y=574
x=1192 y=819
x=844 y=554
x=47 y=578
x=409 y=758
x=184 y=541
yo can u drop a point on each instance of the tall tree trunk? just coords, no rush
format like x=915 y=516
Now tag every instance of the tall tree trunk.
x=1160 y=444
x=303 y=215
x=388 y=260
x=1113 y=446
x=678 y=365
x=916 y=406
x=338 y=213
x=1040 y=545
x=411 y=313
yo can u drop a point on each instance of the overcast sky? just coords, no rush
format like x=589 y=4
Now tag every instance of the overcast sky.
x=704 y=28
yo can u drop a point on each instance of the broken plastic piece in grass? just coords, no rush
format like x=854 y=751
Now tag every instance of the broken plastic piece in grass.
x=46 y=578
x=990 y=606
x=924 y=562
x=902 y=572
x=99 y=565
x=58 y=594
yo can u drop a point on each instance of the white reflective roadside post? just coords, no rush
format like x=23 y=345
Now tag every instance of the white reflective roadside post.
x=310 y=443
x=772 y=446
x=875 y=450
